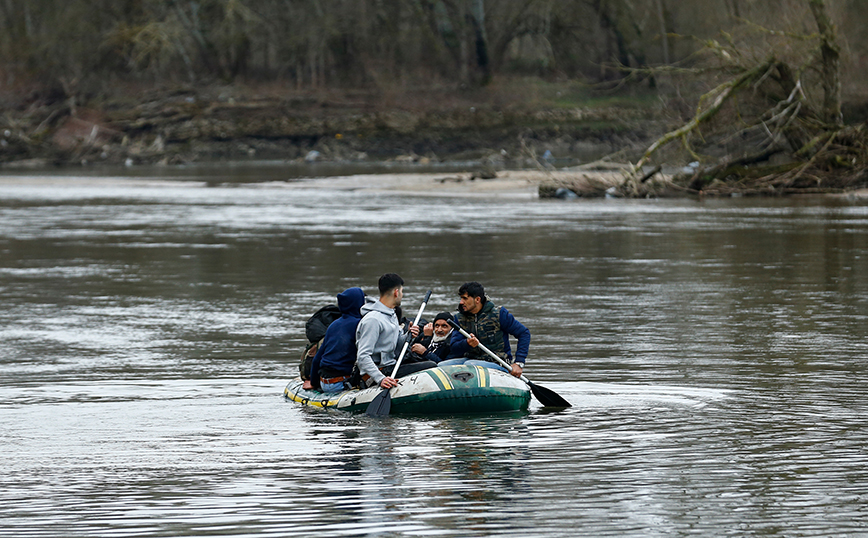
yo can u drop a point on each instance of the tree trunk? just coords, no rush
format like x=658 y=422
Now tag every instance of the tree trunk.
x=507 y=30
x=477 y=17
x=734 y=10
x=192 y=25
x=831 y=64
x=664 y=34
x=445 y=21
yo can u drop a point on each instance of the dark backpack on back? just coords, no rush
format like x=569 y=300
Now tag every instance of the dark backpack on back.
x=314 y=330
x=315 y=327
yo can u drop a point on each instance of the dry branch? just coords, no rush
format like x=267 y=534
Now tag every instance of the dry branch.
x=719 y=96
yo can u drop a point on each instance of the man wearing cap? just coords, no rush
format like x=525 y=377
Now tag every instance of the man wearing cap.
x=438 y=348
x=489 y=325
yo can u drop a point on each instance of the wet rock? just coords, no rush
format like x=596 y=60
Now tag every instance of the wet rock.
x=486 y=172
x=564 y=193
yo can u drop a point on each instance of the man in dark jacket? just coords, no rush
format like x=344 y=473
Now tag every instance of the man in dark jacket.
x=437 y=346
x=333 y=364
x=489 y=325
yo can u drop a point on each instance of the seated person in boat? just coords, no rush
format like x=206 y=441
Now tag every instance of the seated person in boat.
x=435 y=346
x=333 y=363
x=490 y=325
x=379 y=338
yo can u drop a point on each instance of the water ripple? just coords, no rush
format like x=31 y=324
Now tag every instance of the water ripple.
x=713 y=353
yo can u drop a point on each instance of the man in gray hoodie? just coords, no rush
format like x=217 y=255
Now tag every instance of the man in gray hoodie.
x=379 y=338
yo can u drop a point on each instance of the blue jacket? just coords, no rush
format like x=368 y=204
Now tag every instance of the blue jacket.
x=337 y=351
x=508 y=326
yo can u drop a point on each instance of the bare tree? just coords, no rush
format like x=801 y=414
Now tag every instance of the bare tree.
x=831 y=65
x=774 y=115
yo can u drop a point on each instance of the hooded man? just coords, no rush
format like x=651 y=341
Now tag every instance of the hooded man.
x=332 y=366
x=379 y=338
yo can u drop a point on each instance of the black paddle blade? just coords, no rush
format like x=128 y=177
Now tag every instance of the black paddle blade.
x=547 y=397
x=380 y=405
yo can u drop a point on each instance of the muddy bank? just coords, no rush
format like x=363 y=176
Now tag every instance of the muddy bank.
x=553 y=140
x=188 y=126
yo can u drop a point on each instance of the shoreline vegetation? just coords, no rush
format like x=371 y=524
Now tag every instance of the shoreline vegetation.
x=514 y=125
x=690 y=98
x=560 y=139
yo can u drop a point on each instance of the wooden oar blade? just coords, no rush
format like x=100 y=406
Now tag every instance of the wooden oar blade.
x=380 y=405
x=548 y=397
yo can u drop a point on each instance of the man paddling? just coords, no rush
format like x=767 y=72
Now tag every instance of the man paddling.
x=379 y=337
x=490 y=325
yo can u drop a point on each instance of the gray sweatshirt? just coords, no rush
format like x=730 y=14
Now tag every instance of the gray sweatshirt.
x=378 y=338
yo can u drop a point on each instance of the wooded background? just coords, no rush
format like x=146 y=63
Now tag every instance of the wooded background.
x=87 y=45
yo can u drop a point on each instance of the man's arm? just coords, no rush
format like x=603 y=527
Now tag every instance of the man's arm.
x=457 y=343
x=367 y=335
x=512 y=326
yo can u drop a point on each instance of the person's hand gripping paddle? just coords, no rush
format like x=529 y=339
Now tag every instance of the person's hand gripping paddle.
x=547 y=397
x=382 y=402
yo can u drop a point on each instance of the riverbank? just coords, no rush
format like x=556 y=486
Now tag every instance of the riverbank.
x=511 y=124
x=445 y=180
x=506 y=184
x=552 y=131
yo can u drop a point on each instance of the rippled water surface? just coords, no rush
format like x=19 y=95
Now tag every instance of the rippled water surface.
x=714 y=352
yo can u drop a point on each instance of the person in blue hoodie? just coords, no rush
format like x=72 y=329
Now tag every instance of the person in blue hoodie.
x=332 y=366
x=490 y=325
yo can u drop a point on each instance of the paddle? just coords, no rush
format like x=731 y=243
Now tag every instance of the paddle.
x=382 y=402
x=547 y=397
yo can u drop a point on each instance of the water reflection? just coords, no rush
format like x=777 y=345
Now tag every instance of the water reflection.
x=420 y=474
x=487 y=474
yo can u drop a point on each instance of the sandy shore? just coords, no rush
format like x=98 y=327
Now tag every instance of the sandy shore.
x=521 y=184
x=513 y=183
x=509 y=184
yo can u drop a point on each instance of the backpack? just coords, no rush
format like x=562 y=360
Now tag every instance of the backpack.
x=315 y=329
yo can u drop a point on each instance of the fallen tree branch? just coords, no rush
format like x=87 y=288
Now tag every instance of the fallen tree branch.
x=720 y=95
x=699 y=179
x=813 y=159
x=650 y=174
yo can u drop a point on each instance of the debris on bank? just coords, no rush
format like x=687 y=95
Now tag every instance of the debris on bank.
x=195 y=126
x=610 y=180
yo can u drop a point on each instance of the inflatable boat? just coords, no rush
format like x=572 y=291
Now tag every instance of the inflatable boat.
x=445 y=390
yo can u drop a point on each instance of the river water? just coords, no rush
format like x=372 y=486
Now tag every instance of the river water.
x=714 y=353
